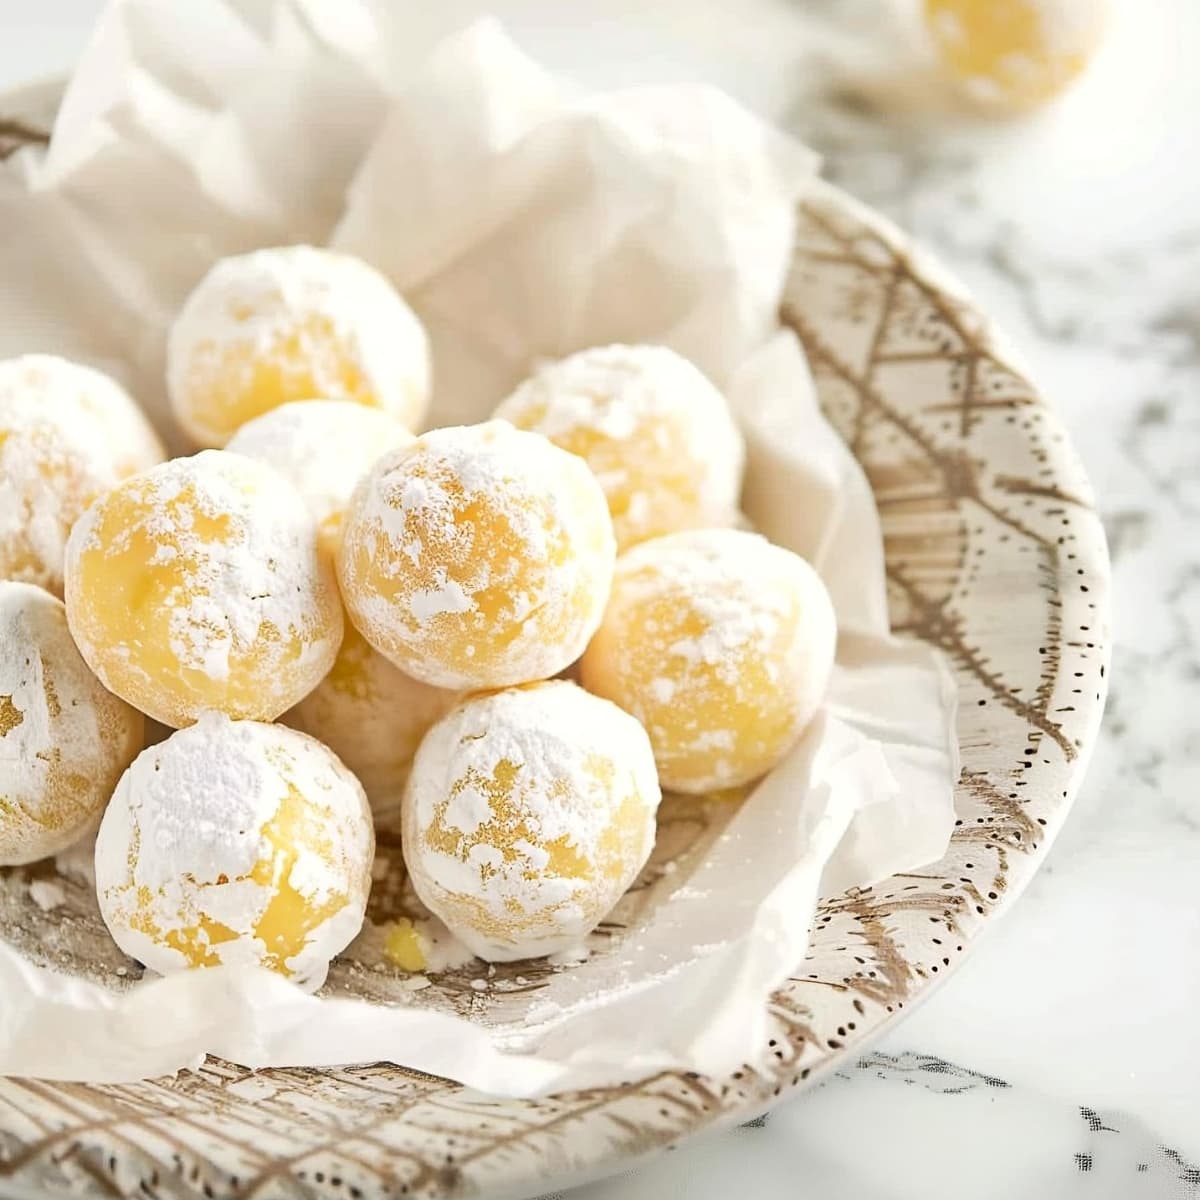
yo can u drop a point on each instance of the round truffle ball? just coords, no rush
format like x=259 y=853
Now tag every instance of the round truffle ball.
x=236 y=843
x=722 y=645
x=199 y=585
x=64 y=739
x=67 y=434
x=528 y=814
x=1017 y=54
x=373 y=717
x=323 y=448
x=656 y=433
x=293 y=323
x=477 y=557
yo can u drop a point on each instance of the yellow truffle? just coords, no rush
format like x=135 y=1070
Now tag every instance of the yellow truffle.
x=67 y=434
x=528 y=814
x=64 y=740
x=293 y=323
x=405 y=947
x=1015 y=54
x=372 y=716
x=656 y=433
x=239 y=844
x=477 y=557
x=199 y=585
x=721 y=644
x=323 y=448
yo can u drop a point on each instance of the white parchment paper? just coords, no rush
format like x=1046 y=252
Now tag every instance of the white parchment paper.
x=523 y=220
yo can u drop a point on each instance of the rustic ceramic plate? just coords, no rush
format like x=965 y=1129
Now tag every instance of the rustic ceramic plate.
x=994 y=554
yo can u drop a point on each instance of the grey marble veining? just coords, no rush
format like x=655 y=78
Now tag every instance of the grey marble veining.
x=934 y=1128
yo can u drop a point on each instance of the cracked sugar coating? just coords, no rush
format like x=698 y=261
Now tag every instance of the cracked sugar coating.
x=528 y=814
x=199 y=585
x=293 y=323
x=64 y=739
x=1019 y=53
x=236 y=843
x=721 y=644
x=372 y=716
x=323 y=448
x=67 y=434
x=480 y=556
x=656 y=433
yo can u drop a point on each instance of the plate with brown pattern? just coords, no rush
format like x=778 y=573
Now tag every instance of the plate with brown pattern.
x=995 y=555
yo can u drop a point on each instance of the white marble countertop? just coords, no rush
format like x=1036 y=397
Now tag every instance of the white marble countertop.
x=1063 y=1058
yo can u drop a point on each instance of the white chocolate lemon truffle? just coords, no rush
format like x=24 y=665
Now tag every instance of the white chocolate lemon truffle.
x=1019 y=53
x=199 y=585
x=656 y=433
x=722 y=645
x=478 y=557
x=528 y=814
x=293 y=323
x=64 y=739
x=67 y=434
x=323 y=448
x=236 y=843
x=373 y=717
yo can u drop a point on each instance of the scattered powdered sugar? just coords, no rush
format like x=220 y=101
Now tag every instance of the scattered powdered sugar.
x=323 y=448
x=67 y=434
x=47 y=894
x=442 y=950
x=209 y=829
x=478 y=556
x=529 y=812
x=326 y=311
x=572 y=956
x=447 y=597
x=234 y=552
x=64 y=739
x=657 y=434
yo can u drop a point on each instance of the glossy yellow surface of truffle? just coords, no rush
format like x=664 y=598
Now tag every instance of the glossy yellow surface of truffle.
x=478 y=557
x=64 y=739
x=199 y=585
x=721 y=644
x=288 y=324
x=528 y=814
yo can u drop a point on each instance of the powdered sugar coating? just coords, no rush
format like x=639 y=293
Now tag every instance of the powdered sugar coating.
x=67 y=434
x=372 y=716
x=528 y=814
x=656 y=433
x=199 y=585
x=64 y=740
x=293 y=323
x=236 y=843
x=323 y=448
x=479 y=556
x=722 y=645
